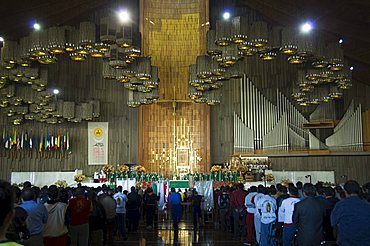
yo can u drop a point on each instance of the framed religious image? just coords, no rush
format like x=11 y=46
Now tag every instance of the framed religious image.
x=182 y=157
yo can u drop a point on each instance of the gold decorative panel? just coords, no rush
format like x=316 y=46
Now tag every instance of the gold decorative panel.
x=174 y=132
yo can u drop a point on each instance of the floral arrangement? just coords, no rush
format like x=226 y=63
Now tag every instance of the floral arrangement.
x=216 y=168
x=79 y=178
x=139 y=169
x=242 y=169
x=327 y=184
x=285 y=182
x=123 y=169
x=108 y=168
x=62 y=183
x=269 y=178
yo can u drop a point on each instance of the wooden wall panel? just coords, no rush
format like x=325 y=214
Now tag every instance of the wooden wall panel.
x=366 y=129
x=173 y=35
x=79 y=82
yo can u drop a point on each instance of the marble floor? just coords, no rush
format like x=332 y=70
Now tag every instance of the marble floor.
x=163 y=234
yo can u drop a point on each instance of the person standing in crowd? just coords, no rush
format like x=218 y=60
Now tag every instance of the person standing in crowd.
x=251 y=209
x=37 y=217
x=17 y=231
x=266 y=206
x=330 y=201
x=286 y=211
x=224 y=206
x=133 y=209
x=308 y=216
x=366 y=189
x=121 y=200
x=239 y=212
x=197 y=212
x=150 y=200
x=6 y=212
x=257 y=215
x=299 y=186
x=109 y=205
x=97 y=220
x=55 y=231
x=176 y=208
x=350 y=217
x=78 y=210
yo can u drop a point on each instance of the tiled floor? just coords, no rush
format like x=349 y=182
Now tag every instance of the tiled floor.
x=163 y=234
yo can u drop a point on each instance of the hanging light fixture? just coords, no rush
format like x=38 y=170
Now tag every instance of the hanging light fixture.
x=96 y=53
x=124 y=35
x=306 y=45
x=193 y=93
x=46 y=59
x=87 y=35
x=77 y=56
x=239 y=29
x=229 y=56
x=108 y=71
x=154 y=81
x=56 y=40
x=335 y=92
x=9 y=52
x=108 y=30
x=203 y=67
x=312 y=75
x=212 y=48
x=24 y=54
x=39 y=43
x=223 y=32
x=336 y=57
x=143 y=68
x=216 y=69
x=71 y=38
x=320 y=55
x=117 y=57
x=295 y=59
x=288 y=41
x=259 y=33
x=213 y=97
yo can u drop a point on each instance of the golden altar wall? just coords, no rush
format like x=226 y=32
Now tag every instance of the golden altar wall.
x=174 y=132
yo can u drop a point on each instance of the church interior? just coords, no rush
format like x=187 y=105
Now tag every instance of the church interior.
x=184 y=87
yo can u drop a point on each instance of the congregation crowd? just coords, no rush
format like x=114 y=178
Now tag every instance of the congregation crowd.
x=294 y=214
x=298 y=214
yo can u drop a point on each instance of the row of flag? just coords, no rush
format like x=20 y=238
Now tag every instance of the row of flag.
x=28 y=140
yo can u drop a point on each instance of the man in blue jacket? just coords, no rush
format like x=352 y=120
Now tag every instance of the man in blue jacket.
x=350 y=217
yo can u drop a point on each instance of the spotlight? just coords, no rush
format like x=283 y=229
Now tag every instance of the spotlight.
x=36 y=26
x=306 y=27
x=341 y=41
x=1 y=39
x=226 y=15
x=56 y=91
x=124 y=16
x=351 y=68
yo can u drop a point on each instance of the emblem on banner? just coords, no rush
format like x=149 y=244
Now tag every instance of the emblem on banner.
x=98 y=132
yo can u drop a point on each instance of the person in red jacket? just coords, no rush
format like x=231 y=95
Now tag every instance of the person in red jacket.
x=79 y=209
x=239 y=212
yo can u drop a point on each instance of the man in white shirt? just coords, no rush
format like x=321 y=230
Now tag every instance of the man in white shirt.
x=121 y=212
x=257 y=215
x=251 y=209
x=286 y=211
x=266 y=206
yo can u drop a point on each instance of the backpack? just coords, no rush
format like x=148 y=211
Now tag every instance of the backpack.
x=224 y=201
